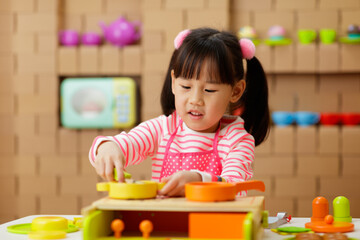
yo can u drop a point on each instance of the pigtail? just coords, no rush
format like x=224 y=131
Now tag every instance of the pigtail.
x=167 y=97
x=255 y=102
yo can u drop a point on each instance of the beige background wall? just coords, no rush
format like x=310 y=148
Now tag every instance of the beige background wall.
x=44 y=167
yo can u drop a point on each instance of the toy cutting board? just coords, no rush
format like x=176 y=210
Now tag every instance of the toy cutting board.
x=240 y=204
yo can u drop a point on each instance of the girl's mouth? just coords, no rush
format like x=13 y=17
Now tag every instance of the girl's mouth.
x=195 y=115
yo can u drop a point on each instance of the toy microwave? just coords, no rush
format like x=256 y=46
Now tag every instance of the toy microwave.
x=98 y=102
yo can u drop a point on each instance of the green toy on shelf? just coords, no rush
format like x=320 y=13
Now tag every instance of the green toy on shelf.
x=327 y=36
x=306 y=36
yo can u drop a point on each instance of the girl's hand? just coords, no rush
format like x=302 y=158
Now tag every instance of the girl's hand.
x=109 y=156
x=175 y=184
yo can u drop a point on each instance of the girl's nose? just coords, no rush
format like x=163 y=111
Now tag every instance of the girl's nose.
x=196 y=98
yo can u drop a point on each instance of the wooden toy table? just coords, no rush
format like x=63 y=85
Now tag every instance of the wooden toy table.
x=177 y=217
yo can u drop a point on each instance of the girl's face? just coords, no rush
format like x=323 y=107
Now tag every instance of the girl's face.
x=202 y=104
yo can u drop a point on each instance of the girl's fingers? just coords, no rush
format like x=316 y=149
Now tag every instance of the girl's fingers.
x=169 y=186
x=165 y=179
x=119 y=170
x=109 y=170
x=100 y=169
x=175 y=191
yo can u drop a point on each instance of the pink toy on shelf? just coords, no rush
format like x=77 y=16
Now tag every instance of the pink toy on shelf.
x=122 y=32
x=276 y=32
x=91 y=39
x=69 y=38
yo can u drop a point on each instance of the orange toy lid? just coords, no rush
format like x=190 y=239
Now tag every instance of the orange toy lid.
x=323 y=227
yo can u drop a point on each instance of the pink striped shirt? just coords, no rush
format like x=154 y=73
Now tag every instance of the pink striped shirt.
x=235 y=145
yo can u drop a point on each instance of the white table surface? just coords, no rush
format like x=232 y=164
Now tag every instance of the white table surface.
x=5 y=235
x=300 y=222
x=268 y=235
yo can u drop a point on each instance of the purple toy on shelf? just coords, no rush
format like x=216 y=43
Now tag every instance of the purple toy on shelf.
x=69 y=38
x=122 y=32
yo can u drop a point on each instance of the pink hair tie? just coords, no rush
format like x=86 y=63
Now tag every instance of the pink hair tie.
x=247 y=48
x=180 y=38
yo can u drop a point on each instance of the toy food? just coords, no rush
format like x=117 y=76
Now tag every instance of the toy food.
x=327 y=236
x=308 y=236
x=335 y=236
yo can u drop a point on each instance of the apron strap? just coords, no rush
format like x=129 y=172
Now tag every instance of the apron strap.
x=172 y=138
x=215 y=142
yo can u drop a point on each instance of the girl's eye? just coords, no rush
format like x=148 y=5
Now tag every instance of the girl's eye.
x=185 y=87
x=210 y=91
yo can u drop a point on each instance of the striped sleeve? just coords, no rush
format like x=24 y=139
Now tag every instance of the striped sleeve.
x=237 y=166
x=140 y=142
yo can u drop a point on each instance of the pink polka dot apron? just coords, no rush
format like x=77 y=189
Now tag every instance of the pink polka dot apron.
x=207 y=161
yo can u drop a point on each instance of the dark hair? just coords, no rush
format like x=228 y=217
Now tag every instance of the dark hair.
x=222 y=53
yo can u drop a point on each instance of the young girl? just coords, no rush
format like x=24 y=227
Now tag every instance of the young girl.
x=194 y=140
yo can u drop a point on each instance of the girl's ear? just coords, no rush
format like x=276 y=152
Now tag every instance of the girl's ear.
x=238 y=91
x=172 y=81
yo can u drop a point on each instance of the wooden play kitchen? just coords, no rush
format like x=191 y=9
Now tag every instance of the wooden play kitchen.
x=228 y=217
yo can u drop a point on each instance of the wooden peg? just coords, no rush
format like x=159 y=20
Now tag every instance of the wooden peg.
x=117 y=226
x=146 y=228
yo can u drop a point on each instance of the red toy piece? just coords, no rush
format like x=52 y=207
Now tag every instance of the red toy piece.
x=350 y=119
x=330 y=118
x=117 y=226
